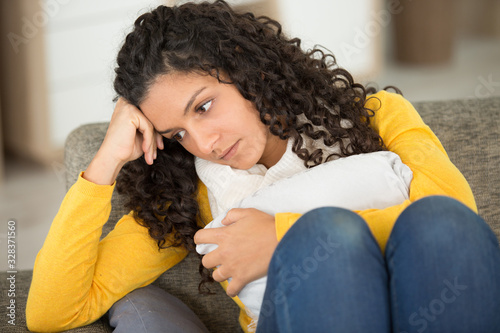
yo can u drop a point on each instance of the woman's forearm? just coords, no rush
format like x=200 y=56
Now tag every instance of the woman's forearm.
x=63 y=271
x=77 y=278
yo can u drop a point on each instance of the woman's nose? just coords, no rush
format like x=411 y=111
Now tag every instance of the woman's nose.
x=205 y=140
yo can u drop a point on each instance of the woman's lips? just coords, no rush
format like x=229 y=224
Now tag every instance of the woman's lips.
x=229 y=153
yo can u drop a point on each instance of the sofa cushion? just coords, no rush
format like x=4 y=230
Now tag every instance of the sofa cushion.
x=470 y=132
x=183 y=279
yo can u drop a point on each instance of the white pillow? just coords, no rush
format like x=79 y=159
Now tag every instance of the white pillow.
x=374 y=180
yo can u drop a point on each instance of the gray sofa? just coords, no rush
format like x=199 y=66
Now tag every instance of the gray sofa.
x=469 y=130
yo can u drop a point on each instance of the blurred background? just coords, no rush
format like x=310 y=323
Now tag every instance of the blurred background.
x=57 y=62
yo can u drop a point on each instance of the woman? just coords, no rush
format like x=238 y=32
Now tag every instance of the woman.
x=202 y=81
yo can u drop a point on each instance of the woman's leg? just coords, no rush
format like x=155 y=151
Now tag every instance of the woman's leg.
x=326 y=275
x=444 y=267
x=152 y=309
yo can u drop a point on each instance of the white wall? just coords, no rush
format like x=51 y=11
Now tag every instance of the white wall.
x=84 y=36
x=82 y=40
x=351 y=30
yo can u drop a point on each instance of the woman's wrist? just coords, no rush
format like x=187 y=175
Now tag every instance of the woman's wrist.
x=103 y=169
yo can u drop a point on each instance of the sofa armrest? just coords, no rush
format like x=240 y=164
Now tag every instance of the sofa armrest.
x=218 y=312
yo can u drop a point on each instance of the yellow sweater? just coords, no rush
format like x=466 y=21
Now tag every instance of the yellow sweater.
x=77 y=278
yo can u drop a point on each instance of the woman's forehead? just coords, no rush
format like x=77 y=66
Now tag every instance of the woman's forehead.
x=174 y=94
x=174 y=86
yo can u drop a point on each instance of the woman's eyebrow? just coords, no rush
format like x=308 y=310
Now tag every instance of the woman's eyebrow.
x=191 y=100
x=186 y=109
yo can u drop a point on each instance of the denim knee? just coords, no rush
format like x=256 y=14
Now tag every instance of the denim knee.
x=440 y=218
x=327 y=261
x=332 y=226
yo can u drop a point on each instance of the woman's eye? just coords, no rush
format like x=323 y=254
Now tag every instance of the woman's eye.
x=205 y=107
x=179 y=135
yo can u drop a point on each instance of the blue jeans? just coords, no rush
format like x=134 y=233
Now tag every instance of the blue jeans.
x=440 y=273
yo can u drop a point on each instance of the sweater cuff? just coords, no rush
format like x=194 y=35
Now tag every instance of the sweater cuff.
x=284 y=221
x=88 y=188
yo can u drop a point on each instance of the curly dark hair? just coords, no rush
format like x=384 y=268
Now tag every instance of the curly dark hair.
x=298 y=95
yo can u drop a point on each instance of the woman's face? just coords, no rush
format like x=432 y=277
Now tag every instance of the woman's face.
x=211 y=120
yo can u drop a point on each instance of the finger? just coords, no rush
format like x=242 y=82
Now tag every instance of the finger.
x=159 y=141
x=211 y=260
x=153 y=151
x=146 y=130
x=234 y=287
x=149 y=156
x=148 y=142
x=218 y=275
x=206 y=236
x=120 y=103
x=152 y=148
x=234 y=215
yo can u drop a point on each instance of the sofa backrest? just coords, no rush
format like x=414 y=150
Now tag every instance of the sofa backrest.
x=468 y=129
x=218 y=312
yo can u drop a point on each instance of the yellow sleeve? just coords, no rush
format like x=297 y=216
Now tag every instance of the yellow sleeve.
x=76 y=277
x=405 y=134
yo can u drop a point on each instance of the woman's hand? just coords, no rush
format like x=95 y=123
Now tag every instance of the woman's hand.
x=130 y=134
x=245 y=247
